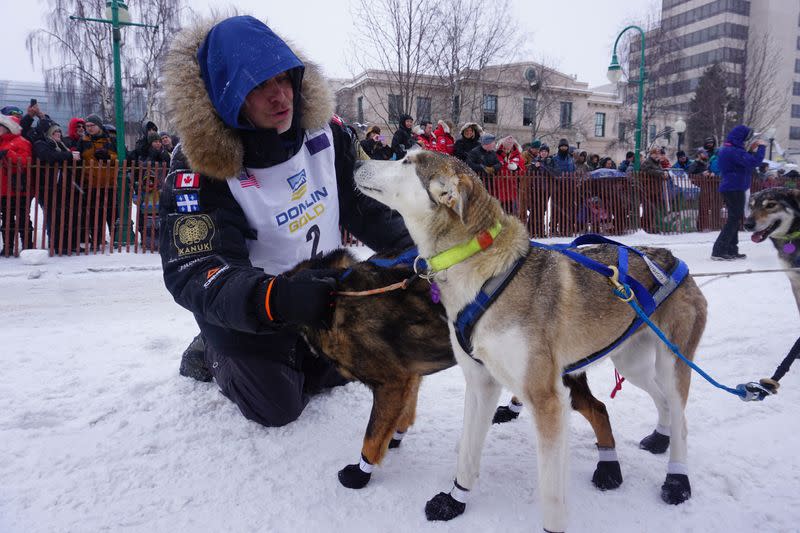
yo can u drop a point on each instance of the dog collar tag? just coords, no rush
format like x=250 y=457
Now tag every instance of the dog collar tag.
x=789 y=248
x=435 y=294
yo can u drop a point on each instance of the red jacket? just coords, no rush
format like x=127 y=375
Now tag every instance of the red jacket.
x=428 y=143
x=444 y=141
x=19 y=151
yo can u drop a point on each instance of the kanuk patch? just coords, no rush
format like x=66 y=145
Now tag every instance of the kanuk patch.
x=187 y=202
x=192 y=234
x=187 y=180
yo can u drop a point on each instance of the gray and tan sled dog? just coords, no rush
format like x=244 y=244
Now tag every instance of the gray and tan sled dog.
x=775 y=214
x=552 y=313
x=389 y=340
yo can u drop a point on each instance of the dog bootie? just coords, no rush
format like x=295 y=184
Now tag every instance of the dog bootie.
x=607 y=475
x=396 y=439
x=443 y=507
x=356 y=476
x=676 y=489
x=655 y=443
x=507 y=413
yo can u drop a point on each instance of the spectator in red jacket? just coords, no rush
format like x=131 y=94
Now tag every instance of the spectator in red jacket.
x=15 y=150
x=75 y=132
x=427 y=139
x=509 y=153
x=445 y=143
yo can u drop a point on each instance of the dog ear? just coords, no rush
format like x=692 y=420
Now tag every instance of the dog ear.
x=452 y=193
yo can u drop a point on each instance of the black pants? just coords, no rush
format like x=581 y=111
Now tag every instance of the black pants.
x=727 y=242
x=270 y=392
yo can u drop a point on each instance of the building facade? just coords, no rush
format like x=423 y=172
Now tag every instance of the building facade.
x=732 y=33
x=526 y=100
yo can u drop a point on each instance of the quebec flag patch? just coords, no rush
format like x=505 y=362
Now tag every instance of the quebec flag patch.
x=187 y=202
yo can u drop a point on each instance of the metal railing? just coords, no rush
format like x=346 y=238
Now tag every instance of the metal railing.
x=84 y=208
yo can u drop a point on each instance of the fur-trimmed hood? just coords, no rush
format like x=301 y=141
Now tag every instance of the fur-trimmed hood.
x=211 y=146
x=475 y=125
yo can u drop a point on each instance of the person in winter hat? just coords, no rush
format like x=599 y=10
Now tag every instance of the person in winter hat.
x=76 y=129
x=425 y=137
x=483 y=159
x=469 y=140
x=506 y=184
x=627 y=165
x=444 y=141
x=58 y=193
x=258 y=138
x=736 y=166
x=562 y=161
x=166 y=141
x=374 y=146
x=403 y=139
x=531 y=152
x=682 y=162
x=15 y=150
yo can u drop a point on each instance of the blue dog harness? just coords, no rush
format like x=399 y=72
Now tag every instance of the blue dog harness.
x=666 y=284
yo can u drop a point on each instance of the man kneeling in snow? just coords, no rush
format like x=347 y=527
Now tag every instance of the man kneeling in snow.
x=262 y=179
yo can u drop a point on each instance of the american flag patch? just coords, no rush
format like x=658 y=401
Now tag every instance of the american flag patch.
x=247 y=180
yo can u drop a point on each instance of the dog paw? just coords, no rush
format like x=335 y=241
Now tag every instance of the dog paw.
x=443 y=507
x=655 y=443
x=503 y=415
x=353 y=477
x=676 y=489
x=607 y=475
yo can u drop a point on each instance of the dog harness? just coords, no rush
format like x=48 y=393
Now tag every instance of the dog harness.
x=666 y=283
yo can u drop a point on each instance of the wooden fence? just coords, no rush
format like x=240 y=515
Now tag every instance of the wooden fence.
x=80 y=208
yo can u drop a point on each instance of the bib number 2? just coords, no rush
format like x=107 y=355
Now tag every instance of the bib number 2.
x=313 y=236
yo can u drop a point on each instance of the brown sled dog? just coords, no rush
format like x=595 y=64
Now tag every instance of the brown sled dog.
x=389 y=341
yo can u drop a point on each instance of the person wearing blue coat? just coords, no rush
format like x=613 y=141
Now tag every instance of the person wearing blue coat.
x=736 y=166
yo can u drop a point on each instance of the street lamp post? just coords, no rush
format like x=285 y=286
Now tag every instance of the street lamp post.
x=680 y=128
x=614 y=75
x=578 y=140
x=771 y=136
x=117 y=15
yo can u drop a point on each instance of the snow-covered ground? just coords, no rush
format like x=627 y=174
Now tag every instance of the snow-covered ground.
x=99 y=433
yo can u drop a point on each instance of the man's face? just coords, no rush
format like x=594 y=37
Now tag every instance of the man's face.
x=428 y=129
x=80 y=129
x=563 y=149
x=489 y=147
x=544 y=153
x=270 y=105
x=92 y=128
x=166 y=141
x=156 y=145
x=683 y=159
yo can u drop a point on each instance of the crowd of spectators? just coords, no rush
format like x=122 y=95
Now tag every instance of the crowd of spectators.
x=75 y=197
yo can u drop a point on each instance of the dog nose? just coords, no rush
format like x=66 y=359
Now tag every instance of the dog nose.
x=749 y=224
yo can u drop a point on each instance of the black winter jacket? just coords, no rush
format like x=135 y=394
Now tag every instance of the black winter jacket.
x=464 y=146
x=403 y=139
x=478 y=159
x=213 y=278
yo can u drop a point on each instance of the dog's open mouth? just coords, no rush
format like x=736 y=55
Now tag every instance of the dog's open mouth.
x=759 y=236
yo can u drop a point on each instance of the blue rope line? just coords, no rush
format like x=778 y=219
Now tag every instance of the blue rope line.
x=737 y=392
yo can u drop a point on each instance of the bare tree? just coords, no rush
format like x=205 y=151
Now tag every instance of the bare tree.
x=396 y=41
x=77 y=59
x=763 y=100
x=713 y=109
x=469 y=37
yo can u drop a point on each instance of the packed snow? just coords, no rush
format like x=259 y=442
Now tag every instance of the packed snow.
x=98 y=432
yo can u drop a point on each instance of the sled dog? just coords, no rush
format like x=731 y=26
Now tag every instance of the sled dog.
x=553 y=313
x=389 y=341
x=775 y=213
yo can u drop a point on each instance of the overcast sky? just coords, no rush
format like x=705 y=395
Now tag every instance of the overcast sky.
x=574 y=36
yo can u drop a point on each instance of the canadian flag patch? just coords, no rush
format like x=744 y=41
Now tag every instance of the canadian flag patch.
x=187 y=181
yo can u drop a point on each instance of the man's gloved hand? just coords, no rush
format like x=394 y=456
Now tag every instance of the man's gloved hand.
x=306 y=298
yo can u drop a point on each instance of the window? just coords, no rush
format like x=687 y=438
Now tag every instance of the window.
x=566 y=115
x=360 y=109
x=797 y=65
x=621 y=131
x=651 y=133
x=490 y=109
x=599 y=124
x=794 y=133
x=795 y=111
x=423 y=109
x=798 y=43
x=528 y=111
x=395 y=108
x=796 y=89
